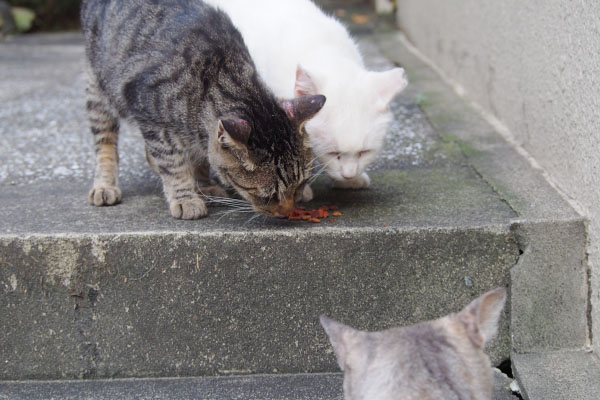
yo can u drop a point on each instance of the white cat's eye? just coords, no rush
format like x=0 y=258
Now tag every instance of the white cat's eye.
x=363 y=153
x=335 y=154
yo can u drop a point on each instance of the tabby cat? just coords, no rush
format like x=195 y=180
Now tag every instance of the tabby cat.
x=435 y=360
x=181 y=72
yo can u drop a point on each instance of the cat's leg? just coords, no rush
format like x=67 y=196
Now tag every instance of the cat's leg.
x=205 y=187
x=105 y=128
x=151 y=162
x=360 y=182
x=176 y=171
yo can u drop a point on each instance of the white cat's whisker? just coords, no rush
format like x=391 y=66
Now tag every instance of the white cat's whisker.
x=318 y=173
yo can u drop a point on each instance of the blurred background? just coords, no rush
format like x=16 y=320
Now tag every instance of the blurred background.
x=19 y=16
x=38 y=15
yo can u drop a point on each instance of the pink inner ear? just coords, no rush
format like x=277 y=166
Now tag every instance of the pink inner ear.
x=289 y=109
x=470 y=320
x=305 y=85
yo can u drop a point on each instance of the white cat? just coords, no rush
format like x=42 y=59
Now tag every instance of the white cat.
x=299 y=50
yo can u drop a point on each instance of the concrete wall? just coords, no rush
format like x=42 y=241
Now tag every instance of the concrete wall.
x=535 y=66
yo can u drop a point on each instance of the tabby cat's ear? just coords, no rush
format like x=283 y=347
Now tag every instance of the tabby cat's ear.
x=388 y=84
x=233 y=132
x=340 y=336
x=301 y=109
x=480 y=318
x=305 y=85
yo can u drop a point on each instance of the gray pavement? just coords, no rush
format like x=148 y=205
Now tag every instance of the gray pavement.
x=47 y=163
x=263 y=387
x=129 y=292
x=425 y=239
x=565 y=375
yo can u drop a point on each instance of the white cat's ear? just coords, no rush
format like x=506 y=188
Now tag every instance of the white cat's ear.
x=389 y=83
x=302 y=109
x=481 y=316
x=340 y=336
x=305 y=85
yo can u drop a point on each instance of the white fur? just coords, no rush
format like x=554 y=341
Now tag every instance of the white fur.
x=299 y=50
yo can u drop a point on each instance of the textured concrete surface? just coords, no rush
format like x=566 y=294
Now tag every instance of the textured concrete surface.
x=263 y=387
x=558 y=375
x=550 y=287
x=550 y=296
x=208 y=303
x=127 y=291
x=535 y=67
x=550 y=292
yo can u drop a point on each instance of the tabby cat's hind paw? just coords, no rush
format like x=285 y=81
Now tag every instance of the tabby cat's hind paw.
x=214 y=191
x=360 y=182
x=105 y=196
x=188 y=209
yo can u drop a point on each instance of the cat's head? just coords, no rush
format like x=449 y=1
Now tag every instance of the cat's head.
x=349 y=132
x=438 y=359
x=266 y=157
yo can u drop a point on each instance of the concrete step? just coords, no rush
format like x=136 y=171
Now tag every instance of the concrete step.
x=550 y=323
x=560 y=375
x=129 y=292
x=264 y=387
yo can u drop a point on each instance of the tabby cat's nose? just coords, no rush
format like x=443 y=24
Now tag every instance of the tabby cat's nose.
x=285 y=208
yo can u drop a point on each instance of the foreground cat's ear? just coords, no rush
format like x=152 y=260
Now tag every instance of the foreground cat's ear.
x=388 y=84
x=233 y=132
x=481 y=316
x=340 y=336
x=305 y=85
x=233 y=135
x=303 y=108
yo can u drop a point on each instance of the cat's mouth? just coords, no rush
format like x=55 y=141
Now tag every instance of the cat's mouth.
x=281 y=210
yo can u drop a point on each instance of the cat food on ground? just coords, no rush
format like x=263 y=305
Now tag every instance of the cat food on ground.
x=315 y=215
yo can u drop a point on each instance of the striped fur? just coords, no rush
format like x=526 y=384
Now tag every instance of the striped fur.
x=182 y=73
x=434 y=360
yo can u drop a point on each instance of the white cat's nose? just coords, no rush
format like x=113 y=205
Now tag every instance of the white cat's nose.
x=349 y=171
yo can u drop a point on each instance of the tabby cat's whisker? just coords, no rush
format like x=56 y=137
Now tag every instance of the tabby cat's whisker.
x=252 y=218
x=227 y=199
x=229 y=212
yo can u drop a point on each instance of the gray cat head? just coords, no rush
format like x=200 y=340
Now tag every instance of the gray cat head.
x=435 y=360
x=267 y=159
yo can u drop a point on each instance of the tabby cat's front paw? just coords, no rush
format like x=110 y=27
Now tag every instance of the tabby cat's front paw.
x=360 y=182
x=105 y=196
x=307 y=194
x=188 y=209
